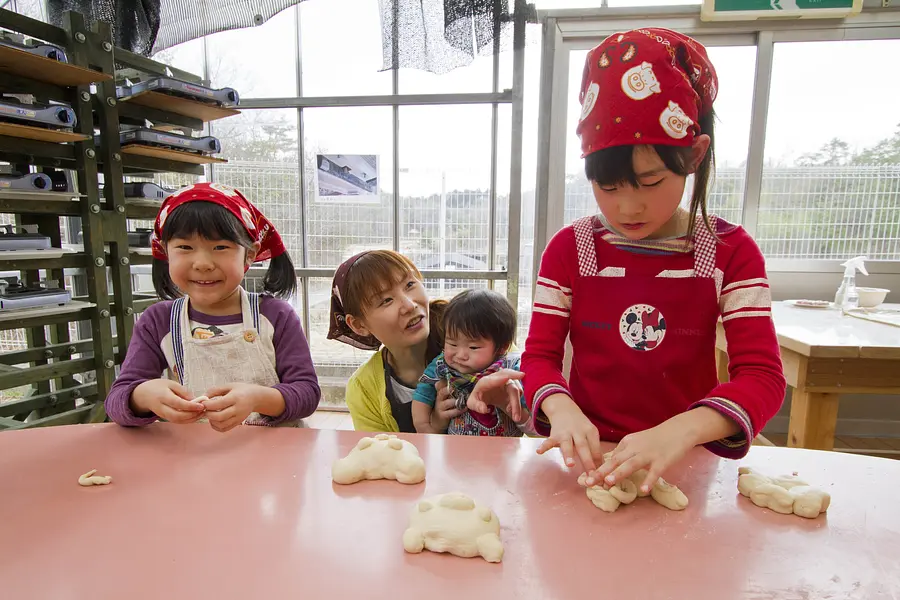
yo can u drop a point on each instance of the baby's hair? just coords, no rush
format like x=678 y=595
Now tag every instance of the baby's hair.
x=213 y=222
x=379 y=270
x=613 y=166
x=482 y=314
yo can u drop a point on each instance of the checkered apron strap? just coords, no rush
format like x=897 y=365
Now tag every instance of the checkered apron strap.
x=584 y=242
x=704 y=248
x=177 y=342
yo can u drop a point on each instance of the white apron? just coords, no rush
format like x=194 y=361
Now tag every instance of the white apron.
x=240 y=357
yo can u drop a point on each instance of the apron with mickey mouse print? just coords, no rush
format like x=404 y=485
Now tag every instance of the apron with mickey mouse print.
x=643 y=344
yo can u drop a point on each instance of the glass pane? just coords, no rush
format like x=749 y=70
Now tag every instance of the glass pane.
x=831 y=186
x=350 y=210
x=332 y=358
x=261 y=146
x=35 y=9
x=445 y=186
x=340 y=44
x=187 y=57
x=735 y=67
x=476 y=77
x=259 y=62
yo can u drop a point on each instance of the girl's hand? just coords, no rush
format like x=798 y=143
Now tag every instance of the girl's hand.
x=500 y=389
x=166 y=399
x=444 y=408
x=658 y=448
x=572 y=432
x=229 y=405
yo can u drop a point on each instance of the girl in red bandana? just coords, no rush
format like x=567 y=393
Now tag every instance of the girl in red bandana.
x=640 y=287
x=210 y=349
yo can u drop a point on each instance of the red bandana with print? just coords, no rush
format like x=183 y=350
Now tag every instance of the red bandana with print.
x=258 y=227
x=647 y=86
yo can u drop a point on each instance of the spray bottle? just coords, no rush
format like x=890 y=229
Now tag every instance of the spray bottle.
x=847 y=297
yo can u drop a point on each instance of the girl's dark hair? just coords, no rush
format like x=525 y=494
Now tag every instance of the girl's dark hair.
x=213 y=222
x=614 y=166
x=482 y=314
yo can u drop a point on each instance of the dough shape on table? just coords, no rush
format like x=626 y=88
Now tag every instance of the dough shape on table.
x=453 y=523
x=381 y=457
x=786 y=494
x=90 y=479
x=627 y=490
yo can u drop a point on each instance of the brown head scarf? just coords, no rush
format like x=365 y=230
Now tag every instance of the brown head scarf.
x=338 y=329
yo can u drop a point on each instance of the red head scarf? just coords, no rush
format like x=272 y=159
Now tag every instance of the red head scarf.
x=647 y=86
x=258 y=227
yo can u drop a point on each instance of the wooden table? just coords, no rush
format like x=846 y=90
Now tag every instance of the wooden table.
x=253 y=513
x=826 y=354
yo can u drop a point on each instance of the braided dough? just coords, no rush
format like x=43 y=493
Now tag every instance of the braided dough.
x=453 y=523
x=786 y=495
x=627 y=490
x=382 y=457
x=90 y=479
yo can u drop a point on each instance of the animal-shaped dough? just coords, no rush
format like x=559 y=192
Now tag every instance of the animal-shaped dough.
x=90 y=479
x=382 y=457
x=627 y=490
x=454 y=523
x=787 y=494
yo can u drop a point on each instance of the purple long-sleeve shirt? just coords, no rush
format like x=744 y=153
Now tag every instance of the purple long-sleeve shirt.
x=146 y=359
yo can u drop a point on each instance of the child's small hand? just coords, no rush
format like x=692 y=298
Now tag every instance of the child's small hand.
x=444 y=408
x=167 y=400
x=229 y=405
x=500 y=389
x=654 y=449
x=572 y=432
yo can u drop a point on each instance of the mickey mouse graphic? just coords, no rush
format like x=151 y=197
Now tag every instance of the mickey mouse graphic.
x=643 y=327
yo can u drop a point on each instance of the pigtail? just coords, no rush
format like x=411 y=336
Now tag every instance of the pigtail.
x=703 y=177
x=281 y=278
x=162 y=282
x=436 y=310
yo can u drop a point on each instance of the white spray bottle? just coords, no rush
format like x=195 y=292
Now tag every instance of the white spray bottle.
x=847 y=297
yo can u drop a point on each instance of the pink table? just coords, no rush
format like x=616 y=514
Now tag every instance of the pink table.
x=253 y=514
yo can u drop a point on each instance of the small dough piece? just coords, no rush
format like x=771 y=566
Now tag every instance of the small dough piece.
x=625 y=491
x=200 y=399
x=89 y=479
x=773 y=497
x=638 y=478
x=669 y=495
x=382 y=457
x=603 y=499
x=810 y=502
x=787 y=494
x=454 y=523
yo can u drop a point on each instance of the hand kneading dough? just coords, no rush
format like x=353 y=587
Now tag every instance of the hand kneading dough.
x=454 y=523
x=786 y=495
x=382 y=457
x=90 y=479
x=627 y=490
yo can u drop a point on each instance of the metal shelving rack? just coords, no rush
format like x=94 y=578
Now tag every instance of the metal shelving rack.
x=63 y=391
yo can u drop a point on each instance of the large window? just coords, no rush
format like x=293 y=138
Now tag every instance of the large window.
x=296 y=163
x=831 y=181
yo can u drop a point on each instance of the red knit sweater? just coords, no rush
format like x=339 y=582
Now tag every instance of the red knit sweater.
x=756 y=387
